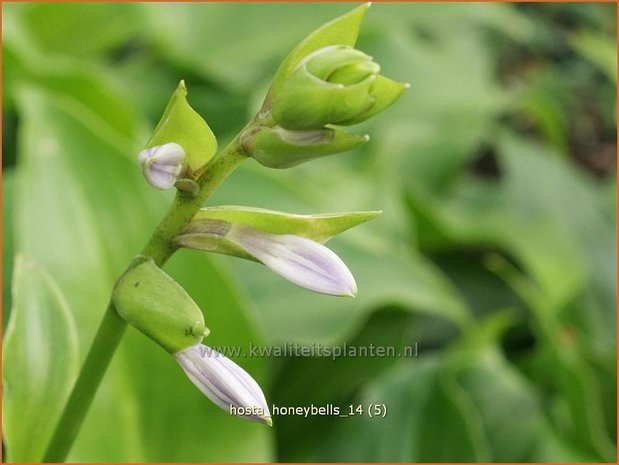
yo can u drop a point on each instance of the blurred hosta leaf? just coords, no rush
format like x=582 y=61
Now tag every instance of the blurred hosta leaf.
x=511 y=412
x=91 y=234
x=333 y=379
x=66 y=29
x=525 y=214
x=88 y=85
x=186 y=33
x=576 y=398
x=599 y=49
x=428 y=419
x=40 y=359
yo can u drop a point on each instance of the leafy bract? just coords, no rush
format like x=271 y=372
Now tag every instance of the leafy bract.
x=319 y=228
x=340 y=31
x=183 y=125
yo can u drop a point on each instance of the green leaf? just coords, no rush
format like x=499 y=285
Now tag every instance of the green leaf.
x=181 y=124
x=40 y=361
x=599 y=49
x=69 y=30
x=567 y=251
x=331 y=379
x=340 y=31
x=86 y=83
x=428 y=419
x=319 y=228
x=504 y=398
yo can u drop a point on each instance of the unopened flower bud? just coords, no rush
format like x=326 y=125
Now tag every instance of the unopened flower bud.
x=162 y=165
x=224 y=382
x=300 y=260
x=337 y=85
x=150 y=300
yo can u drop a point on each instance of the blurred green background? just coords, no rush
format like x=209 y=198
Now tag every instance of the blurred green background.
x=495 y=253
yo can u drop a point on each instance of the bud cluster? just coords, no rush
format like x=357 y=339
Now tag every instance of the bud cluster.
x=324 y=83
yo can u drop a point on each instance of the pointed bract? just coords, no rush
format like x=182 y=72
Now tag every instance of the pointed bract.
x=224 y=382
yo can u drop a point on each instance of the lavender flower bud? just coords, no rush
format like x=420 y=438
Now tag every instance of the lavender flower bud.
x=162 y=165
x=224 y=382
x=300 y=260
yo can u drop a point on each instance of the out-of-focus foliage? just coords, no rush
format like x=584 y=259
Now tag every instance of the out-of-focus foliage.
x=495 y=252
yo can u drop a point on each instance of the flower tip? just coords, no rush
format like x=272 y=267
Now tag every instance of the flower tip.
x=267 y=421
x=352 y=292
x=366 y=137
x=406 y=85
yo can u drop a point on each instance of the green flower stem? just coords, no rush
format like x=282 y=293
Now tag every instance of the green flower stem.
x=112 y=328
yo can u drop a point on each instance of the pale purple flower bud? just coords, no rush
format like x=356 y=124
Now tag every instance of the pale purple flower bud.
x=300 y=260
x=162 y=165
x=224 y=383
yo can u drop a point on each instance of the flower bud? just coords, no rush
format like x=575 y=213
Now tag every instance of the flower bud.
x=300 y=260
x=281 y=148
x=162 y=165
x=337 y=85
x=224 y=382
x=149 y=299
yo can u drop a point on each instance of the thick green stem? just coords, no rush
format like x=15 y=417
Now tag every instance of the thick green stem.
x=112 y=328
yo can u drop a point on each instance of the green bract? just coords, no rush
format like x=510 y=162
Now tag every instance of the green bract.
x=182 y=125
x=341 y=31
x=333 y=85
x=158 y=306
x=281 y=148
x=210 y=225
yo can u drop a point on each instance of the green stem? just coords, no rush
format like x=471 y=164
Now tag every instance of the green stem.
x=110 y=332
